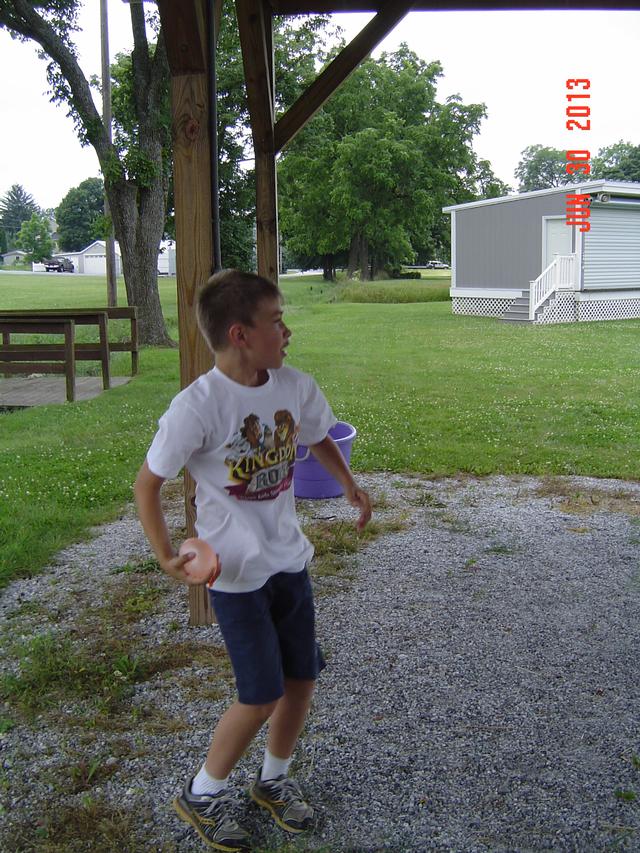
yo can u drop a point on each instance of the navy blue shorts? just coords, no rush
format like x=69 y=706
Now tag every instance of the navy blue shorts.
x=270 y=635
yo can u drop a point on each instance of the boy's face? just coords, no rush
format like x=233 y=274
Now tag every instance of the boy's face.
x=268 y=338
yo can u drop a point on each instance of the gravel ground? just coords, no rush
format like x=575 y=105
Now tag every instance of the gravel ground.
x=481 y=694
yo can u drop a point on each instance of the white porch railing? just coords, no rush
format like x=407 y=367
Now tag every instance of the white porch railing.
x=560 y=274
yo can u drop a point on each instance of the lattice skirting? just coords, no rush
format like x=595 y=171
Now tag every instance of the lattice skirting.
x=479 y=307
x=562 y=308
x=609 y=309
x=565 y=308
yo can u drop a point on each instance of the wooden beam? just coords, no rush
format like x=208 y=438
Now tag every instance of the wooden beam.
x=337 y=72
x=255 y=27
x=184 y=29
x=267 y=215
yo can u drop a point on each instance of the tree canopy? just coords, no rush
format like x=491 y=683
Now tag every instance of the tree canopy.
x=619 y=162
x=542 y=167
x=367 y=178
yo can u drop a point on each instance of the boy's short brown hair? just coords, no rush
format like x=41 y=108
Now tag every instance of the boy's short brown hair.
x=229 y=297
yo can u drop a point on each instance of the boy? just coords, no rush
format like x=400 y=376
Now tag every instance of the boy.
x=236 y=429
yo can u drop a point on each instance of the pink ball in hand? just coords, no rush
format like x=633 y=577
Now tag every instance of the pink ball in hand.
x=205 y=566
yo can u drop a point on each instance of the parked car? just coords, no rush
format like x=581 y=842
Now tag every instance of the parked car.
x=436 y=265
x=59 y=265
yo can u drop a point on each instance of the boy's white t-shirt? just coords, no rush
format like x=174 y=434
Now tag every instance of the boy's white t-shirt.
x=239 y=444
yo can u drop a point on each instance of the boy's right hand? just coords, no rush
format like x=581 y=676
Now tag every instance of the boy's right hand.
x=175 y=567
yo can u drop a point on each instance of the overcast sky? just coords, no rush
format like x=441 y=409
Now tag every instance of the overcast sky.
x=517 y=63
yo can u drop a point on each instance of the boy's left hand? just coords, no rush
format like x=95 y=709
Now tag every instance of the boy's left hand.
x=360 y=500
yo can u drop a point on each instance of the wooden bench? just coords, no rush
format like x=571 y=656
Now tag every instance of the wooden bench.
x=41 y=358
x=13 y=354
x=16 y=357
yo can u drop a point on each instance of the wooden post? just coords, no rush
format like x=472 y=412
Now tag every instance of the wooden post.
x=267 y=215
x=193 y=259
x=192 y=169
x=256 y=32
x=70 y=359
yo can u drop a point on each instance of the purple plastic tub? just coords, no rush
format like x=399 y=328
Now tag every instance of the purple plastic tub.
x=310 y=479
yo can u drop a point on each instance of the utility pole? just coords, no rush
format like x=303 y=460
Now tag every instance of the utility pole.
x=112 y=289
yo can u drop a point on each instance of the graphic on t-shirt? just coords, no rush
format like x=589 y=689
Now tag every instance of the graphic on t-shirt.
x=261 y=458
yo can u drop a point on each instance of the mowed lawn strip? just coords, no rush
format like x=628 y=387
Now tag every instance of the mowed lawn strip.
x=429 y=392
x=437 y=393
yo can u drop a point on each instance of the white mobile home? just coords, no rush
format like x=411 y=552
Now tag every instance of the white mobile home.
x=515 y=257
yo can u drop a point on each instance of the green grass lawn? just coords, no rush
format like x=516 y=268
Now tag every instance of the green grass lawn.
x=429 y=392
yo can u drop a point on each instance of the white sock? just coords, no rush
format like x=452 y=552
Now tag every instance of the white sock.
x=203 y=783
x=274 y=767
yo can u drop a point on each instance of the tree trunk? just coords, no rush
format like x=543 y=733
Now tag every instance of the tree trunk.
x=354 y=256
x=328 y=269
x=359 y=257
x=377 y=268
x=364 y=259
x=138 y=218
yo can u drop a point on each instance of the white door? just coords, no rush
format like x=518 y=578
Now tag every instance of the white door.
x=556 y=239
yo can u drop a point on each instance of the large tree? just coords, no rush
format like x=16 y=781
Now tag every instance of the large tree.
x=16 y=206
x=371 y=172
x=542 y=167
x=80 y=215
x=136 y=179
x=619 y=162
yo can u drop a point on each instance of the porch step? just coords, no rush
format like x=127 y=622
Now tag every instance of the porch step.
x=518 y=311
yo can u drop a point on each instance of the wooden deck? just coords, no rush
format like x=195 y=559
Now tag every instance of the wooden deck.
x=22 y=392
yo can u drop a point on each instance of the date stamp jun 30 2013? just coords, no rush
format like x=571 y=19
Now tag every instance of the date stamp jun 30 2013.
x=578 y=114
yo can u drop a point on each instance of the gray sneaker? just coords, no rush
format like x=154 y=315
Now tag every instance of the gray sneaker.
x=283 y=799
x=213 y=818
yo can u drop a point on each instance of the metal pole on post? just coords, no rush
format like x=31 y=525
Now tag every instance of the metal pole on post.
x=110 y=249
x=213 y=135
